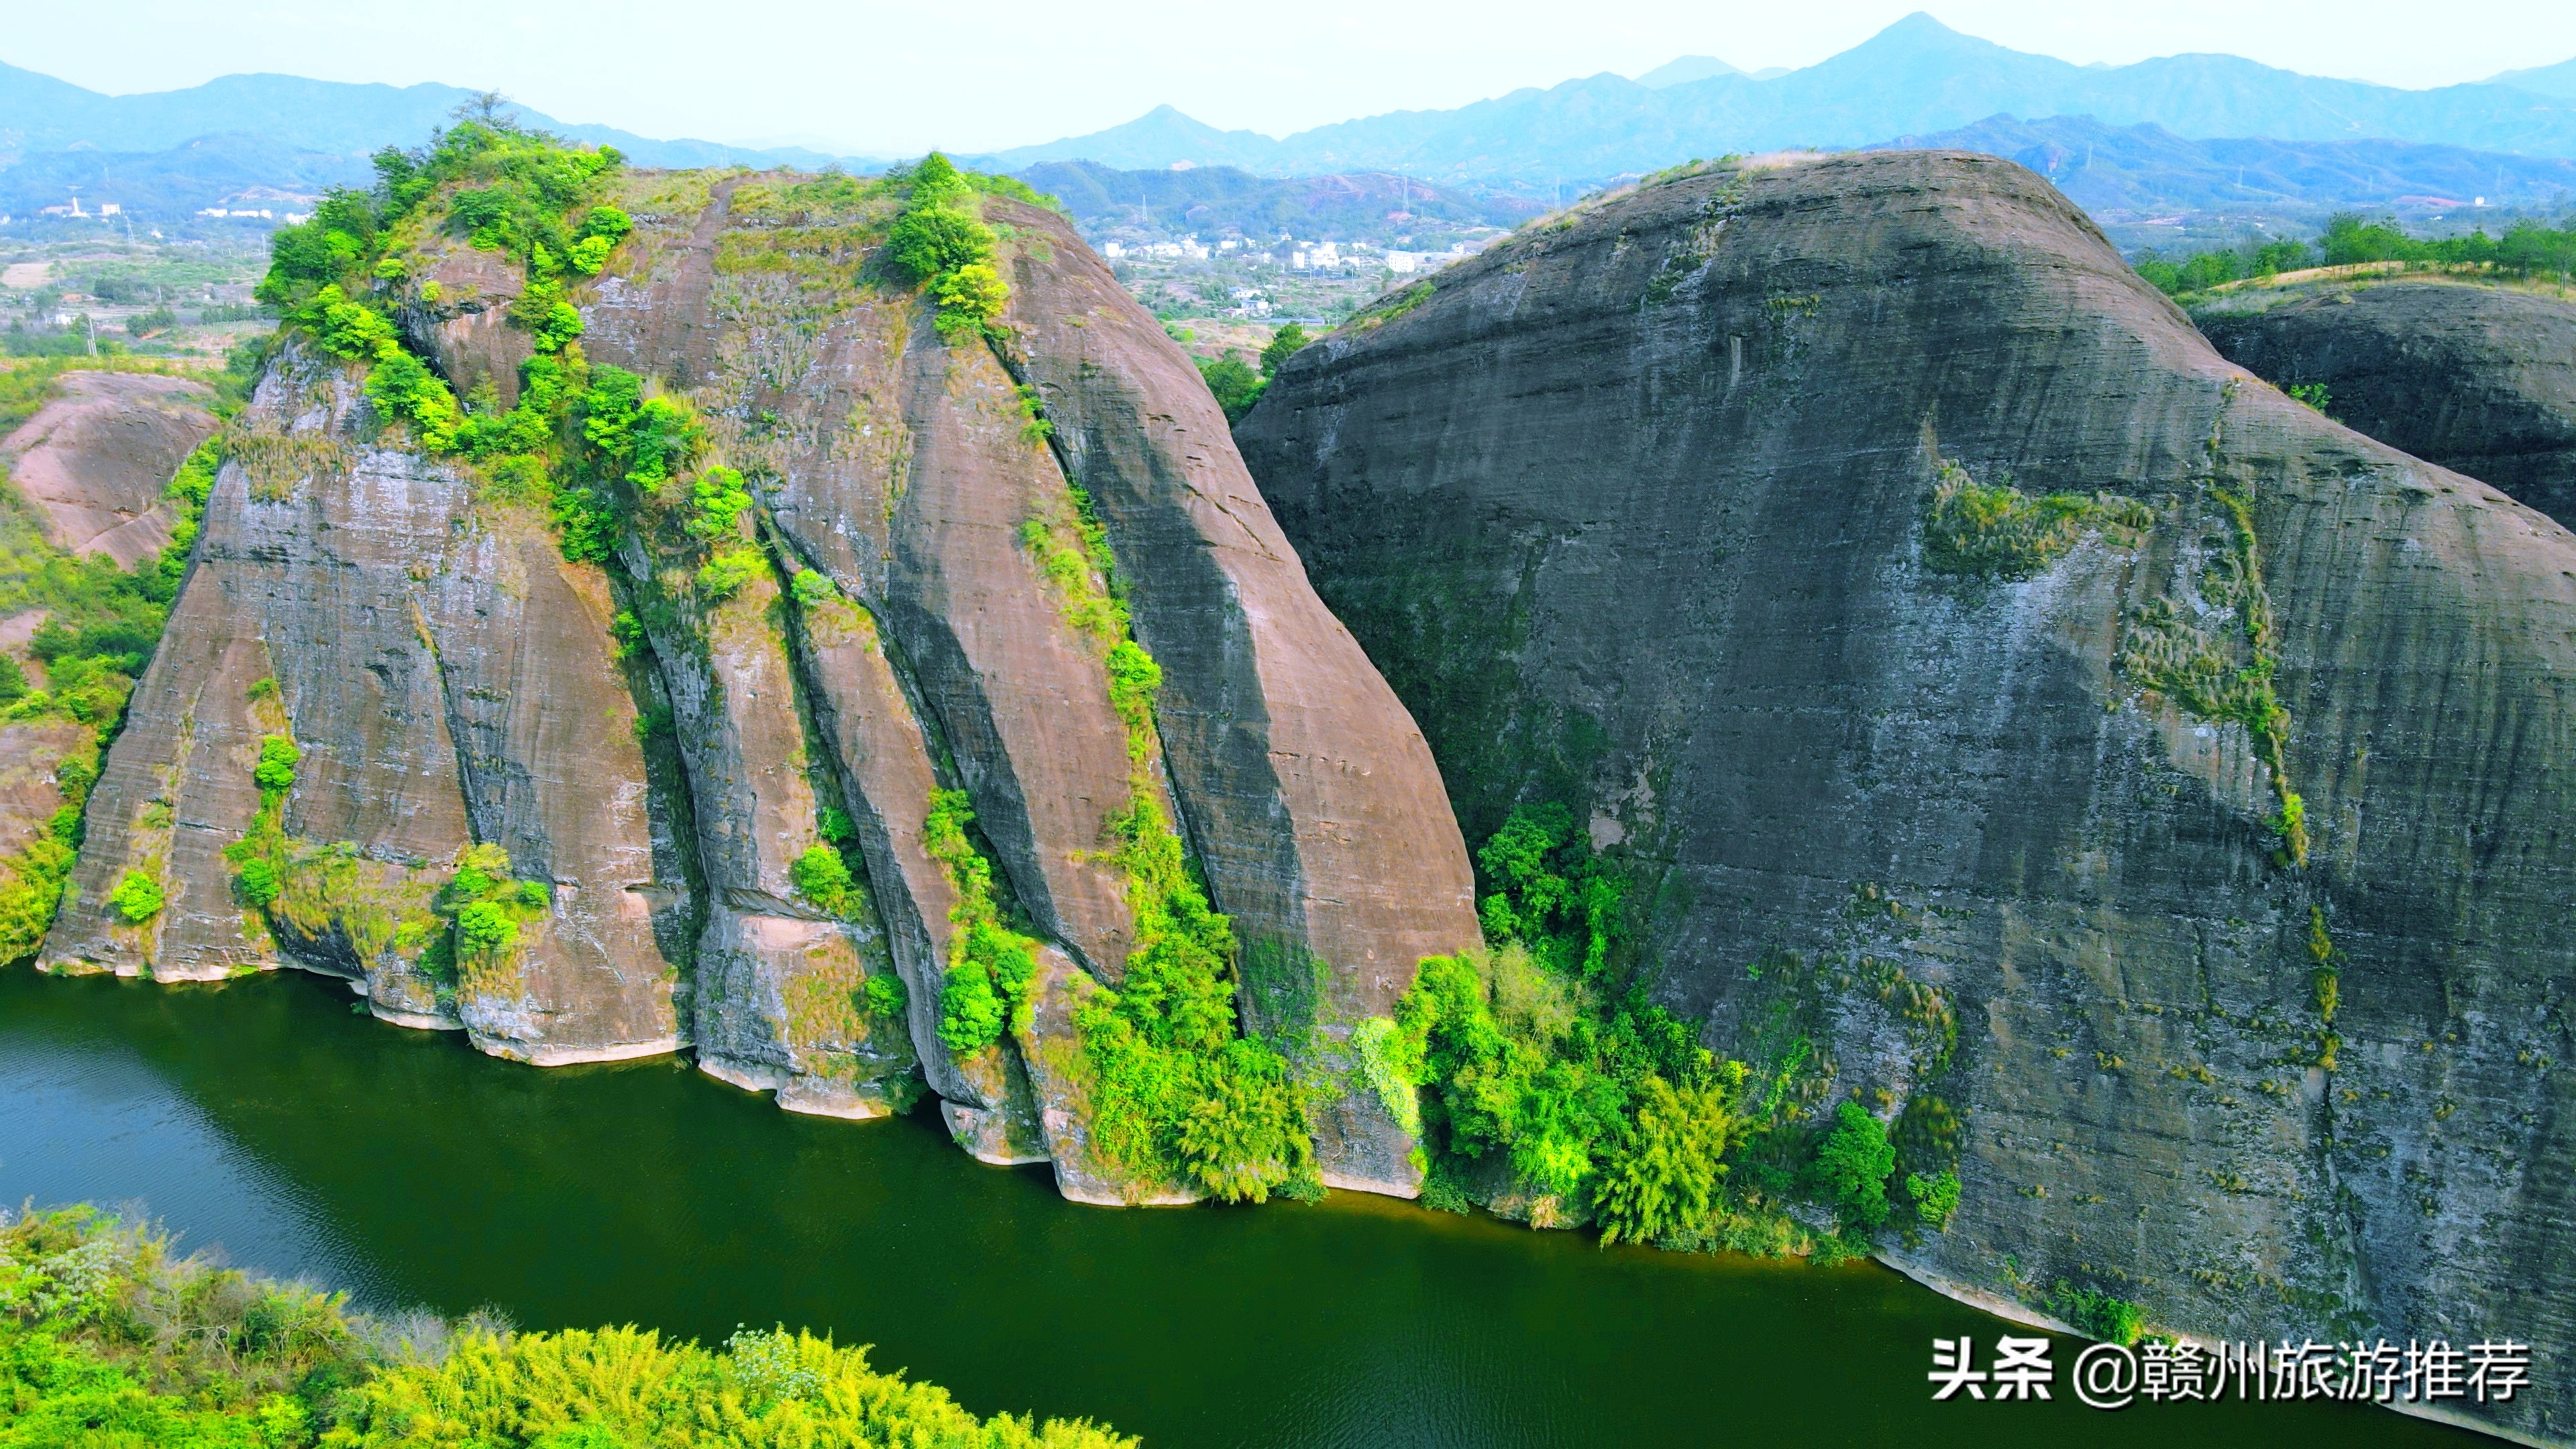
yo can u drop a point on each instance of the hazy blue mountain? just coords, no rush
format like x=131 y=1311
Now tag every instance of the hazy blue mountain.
x=2114 y=169
x=1374 y=207
x=1161 y=137
x=1915 y=77
x=2548 y=80
x=40 y=114
x=162 y=186
x=1688 y=68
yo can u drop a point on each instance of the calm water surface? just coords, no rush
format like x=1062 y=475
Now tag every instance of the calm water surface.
x=263 y=1119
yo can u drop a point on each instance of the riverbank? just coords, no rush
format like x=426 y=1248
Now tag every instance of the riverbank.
x=107 y=1336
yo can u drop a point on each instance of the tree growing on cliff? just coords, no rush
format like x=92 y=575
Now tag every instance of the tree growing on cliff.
x=940 y=245
x=137 y=897
x=1852 y=1166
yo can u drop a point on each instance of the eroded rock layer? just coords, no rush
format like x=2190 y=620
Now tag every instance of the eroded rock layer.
x=1691 y=509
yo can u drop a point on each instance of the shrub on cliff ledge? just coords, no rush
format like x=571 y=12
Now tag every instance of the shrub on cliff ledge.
x=2000 y=532
x=137 y=898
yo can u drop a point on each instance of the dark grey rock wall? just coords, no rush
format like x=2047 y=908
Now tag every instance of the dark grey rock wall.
x=1630 y=512
x=2478 y=379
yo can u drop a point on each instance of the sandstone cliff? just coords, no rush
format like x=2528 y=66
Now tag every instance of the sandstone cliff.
x=1721 y=511
x=768 y=687
x=2478 y=379
x=96 y=457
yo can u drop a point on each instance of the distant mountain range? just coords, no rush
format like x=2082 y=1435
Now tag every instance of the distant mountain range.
x=159 y=187
x=2548 y=80
x=39 y=114
x=1212 y=200
x=1916 y=77
x=1701 y=67
x=2115 y=170
x=2160 y=134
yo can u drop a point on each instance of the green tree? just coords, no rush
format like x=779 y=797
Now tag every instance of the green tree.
x=484 y=929
x=928 y=242
x=1663 y=1178
x=1284 y=344
x=1233 y=383
x=968 y=297
x=137 y=897
x=1935 y=1198
x=275 y=773
x=1852 y=1166
x=824 y=878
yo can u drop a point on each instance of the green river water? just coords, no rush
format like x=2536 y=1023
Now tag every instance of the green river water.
x=263 y=1119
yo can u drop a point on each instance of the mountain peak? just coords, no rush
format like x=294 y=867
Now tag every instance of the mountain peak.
x=1921 y=34
x=1685 y=70
x=1921 y=23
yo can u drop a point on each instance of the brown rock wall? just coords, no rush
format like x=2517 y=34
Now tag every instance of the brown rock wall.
x=1309 y=793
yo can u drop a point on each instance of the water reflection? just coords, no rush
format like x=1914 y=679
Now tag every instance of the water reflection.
x=263 y=1117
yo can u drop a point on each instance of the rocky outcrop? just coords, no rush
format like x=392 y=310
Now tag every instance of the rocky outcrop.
x=96 y=457
x=914 y=616
x=30 y=791
x=1309 y=791
x=1633 y=510
x=448 y=681
x=905 y=469
x=2481 y=380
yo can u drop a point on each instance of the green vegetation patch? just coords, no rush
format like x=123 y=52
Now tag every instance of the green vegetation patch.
x=2528 y=250
x=1390 y=307
x=2098 y=1314
x=1535 y=1054
x=463 y=933
x=1540 y=1072
x=2224 y=674
x=940 y=244
x=338 y=278
x=108 y=1340
x=1178 y=1093
x=102 y=625
x=32 y=880
x=1234 y=384
x=1996 y=531
x=989 y=963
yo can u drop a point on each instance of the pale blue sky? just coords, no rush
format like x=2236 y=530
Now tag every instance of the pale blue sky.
x=893 y=79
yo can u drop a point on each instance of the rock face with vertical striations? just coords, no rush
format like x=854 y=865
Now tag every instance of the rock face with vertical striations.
x=2481 y=380
x=1716 y=509
x=448 y=680
x=759 y=775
